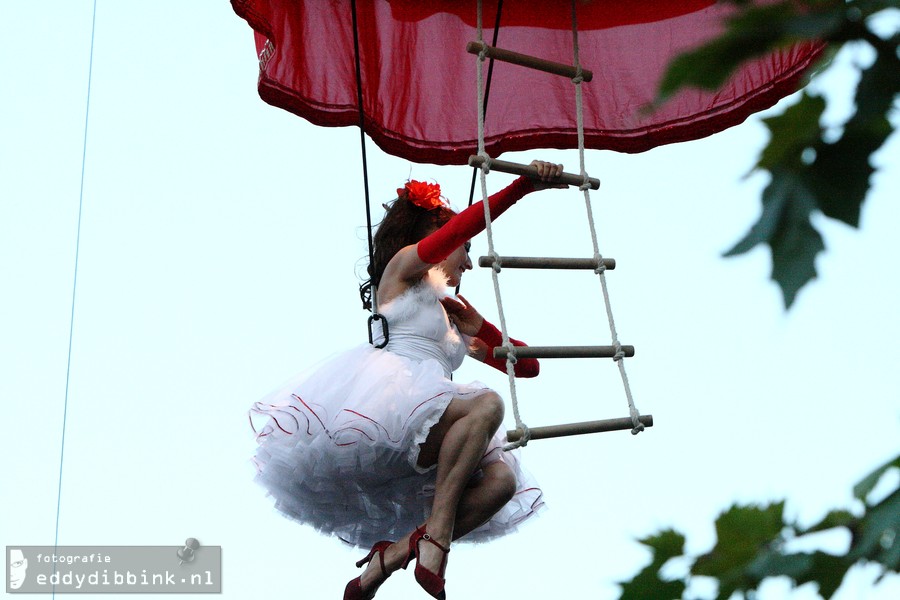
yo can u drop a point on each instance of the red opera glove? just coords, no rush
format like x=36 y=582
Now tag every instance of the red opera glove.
x=490 y=335
x=470 y=222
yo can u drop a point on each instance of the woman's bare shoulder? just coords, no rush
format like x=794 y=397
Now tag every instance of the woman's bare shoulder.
x=403 y=271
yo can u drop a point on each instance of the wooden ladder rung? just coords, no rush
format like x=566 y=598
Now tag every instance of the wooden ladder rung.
x=529 y=171
x=524 y=60
x=564 y=351
x=552 y=431
x=541 y=262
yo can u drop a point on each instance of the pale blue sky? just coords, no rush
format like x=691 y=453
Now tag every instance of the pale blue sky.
x=220 y=243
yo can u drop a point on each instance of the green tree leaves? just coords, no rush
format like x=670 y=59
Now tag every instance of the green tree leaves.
x=785 y=226
x=813 y=170
x=809 y=171
x=877 y=538
x=753 y=543
x=743 y=533
x=648 y=585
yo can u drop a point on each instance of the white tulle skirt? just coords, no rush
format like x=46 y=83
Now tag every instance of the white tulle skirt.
x=338 y=447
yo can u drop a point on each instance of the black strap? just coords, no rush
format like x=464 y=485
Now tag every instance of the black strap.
x=365 y=168
x=487 y=93
x=487 y=90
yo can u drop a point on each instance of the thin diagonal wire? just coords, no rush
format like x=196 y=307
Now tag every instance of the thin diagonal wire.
x=62 y=444
x=511 y=356
x=579 y=110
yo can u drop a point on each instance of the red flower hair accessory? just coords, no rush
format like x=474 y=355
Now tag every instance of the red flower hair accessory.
x=422 y=194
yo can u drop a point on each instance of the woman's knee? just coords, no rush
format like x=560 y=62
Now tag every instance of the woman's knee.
x=490 y=408
x=487 y=408
x=502 y=481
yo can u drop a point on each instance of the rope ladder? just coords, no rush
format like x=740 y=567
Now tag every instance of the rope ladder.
x=522 y=434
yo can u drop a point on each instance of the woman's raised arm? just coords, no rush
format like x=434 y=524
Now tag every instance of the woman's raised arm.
x=412 y=262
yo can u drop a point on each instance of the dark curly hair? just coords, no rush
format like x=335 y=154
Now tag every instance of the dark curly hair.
x=404 y=224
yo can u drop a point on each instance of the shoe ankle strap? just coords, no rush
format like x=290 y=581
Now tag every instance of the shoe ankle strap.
x=428 y=538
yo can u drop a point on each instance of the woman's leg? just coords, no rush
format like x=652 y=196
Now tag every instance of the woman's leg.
x=457 y=444
x=478 y=504
x=484 y=498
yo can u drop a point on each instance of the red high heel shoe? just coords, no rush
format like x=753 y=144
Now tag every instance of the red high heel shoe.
x=353 y=591
x=433 y=583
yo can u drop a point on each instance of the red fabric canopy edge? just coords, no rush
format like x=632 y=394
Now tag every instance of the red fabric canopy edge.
x=628 y=141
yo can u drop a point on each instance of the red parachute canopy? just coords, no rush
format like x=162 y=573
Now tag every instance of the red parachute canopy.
x=419 y=83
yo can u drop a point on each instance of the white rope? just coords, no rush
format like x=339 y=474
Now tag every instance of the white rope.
x=600 y=270
x=496 y=266
x=495 y=258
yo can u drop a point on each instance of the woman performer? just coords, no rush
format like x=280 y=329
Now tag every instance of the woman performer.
x=377 y=444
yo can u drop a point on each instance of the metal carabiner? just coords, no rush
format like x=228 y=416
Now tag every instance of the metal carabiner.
x=384 y=330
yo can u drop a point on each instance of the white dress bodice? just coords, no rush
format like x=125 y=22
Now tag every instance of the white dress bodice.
x=418 y=326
